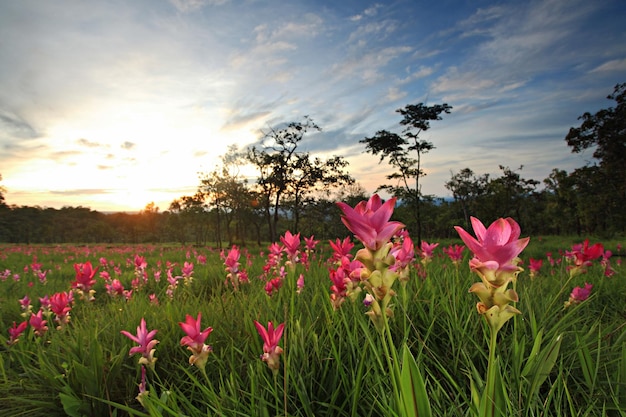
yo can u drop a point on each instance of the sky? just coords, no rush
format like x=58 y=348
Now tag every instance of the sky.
x=113 y=104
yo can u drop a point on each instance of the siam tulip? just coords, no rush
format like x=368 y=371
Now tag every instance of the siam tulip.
x=582 y=256
x=291 y=245
x=426 y=252
x=60 y=304
x=300 y=284
x=495 y=261
x=27 y=308
x=235 y=275
x=42 y=276
x=38 y=323
x=404 y=255
x=15 y=332
x=187 y=272
x=369 y=222
x=146 y=341
x=341 y=249
x=115 y=288
x=534 y=265
x=194 y=340
x=85 y=280
x=271 y=350
x=579 y=294
x=455 y=253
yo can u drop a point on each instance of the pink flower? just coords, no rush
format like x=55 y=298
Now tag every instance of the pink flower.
x=534 y=265
x=140 y=262
x=455 y=253
x=369 y=221
x=404 y=254
x=38 y=323
x=85 y=279
x=341 y=249
x=310 y=243
x=271 y=337
x=60 y=306
x=495 y=249
x=146 y=343
x=579 y=294
x=16 y=331
x=292 y=245
x=426 y=251
x=300 y=284
x=582 y=256
x=194 y=340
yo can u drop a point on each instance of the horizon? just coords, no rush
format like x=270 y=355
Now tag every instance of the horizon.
x=113 y=106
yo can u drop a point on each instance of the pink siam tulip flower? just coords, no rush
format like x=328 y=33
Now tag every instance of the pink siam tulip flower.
x=455 y=253
x=341 y=249
x=15 y=332
x=579 y=294
x=85 y=280
x=582 y=256
x=60 y=304
x=115 y=287
x=201 y=259
x=426 y=251
x=495 y=261
x=38 y=323
x=292 y=247
x=495 y=249
x=271 y=350
x=146 y=341
x=27 y=308
x=534 y=265
x=369 y=221
x=310 y=243
x=187 y=273
x=300 y=284
x=140 y=262
x=194 y=340
x=235 y=275
x=404 y=255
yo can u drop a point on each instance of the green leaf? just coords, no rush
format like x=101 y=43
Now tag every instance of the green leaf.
x=414 y=396
x=544 y=364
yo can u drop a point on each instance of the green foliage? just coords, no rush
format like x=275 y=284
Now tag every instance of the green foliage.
x=552 y=361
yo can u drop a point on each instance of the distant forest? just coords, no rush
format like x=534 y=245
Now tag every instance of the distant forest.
x=296 y=191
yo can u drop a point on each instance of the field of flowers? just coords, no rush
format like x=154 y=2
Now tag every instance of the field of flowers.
x=491 y=324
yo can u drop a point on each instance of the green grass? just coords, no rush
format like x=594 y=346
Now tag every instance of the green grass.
x=333 y=362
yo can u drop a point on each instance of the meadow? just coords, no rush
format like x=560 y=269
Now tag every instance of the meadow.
x=126 y=330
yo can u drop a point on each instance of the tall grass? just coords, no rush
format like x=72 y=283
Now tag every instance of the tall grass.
x=553 y=361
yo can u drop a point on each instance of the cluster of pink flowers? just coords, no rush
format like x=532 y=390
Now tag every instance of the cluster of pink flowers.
x=275 y=271
x=235 y=274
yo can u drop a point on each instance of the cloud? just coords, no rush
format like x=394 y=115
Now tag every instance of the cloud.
x=13 y=125
x=370 y=12
x=611 y=66
x=127 y=145
x=186 y=6
x=88 y=143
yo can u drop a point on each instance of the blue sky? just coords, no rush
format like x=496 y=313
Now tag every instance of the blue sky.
x=114 y=104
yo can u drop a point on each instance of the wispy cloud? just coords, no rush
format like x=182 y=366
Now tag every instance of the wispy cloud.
x=613 y=65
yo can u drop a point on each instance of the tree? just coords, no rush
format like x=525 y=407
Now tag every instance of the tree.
x=3 y=191
x=398 y=150
x=228 y=195
x=605 y=131
x=286 y=173
x=466 y=188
